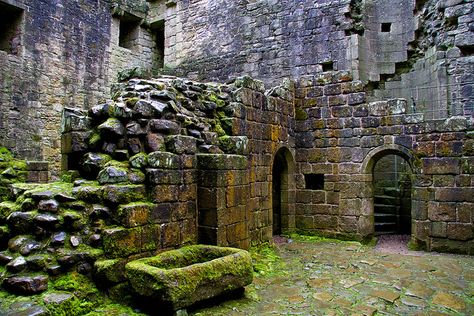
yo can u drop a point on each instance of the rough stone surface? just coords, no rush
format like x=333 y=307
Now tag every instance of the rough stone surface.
x=205 y=271
x=26 y=285
x=334 y=263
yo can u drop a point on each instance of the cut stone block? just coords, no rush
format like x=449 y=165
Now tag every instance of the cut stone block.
x=180 y=278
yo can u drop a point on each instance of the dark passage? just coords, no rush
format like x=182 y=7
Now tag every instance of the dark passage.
x=392 y=196
x=279 y=188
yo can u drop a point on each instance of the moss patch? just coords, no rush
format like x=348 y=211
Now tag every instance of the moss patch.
x=300 y=114
x=266 y=261
x=197 y=269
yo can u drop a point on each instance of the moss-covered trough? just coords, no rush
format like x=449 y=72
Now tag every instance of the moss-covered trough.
x=180 y=278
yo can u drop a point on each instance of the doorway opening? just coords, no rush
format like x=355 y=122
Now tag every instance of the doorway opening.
x=158 y=33
x=280 y=190
x=392 y=196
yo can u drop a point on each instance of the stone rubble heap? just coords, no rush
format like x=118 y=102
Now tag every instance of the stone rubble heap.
x=135 y=157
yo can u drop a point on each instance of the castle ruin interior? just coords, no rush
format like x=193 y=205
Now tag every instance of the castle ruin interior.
x=130 y=127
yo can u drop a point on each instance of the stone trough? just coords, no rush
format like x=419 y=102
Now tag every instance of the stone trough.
x=180 y=278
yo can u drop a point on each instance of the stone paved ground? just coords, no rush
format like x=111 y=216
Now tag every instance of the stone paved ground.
x=347 y=278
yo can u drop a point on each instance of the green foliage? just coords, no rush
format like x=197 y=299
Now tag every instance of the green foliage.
x=266 y=260
x=94 y=139
x=5 y=154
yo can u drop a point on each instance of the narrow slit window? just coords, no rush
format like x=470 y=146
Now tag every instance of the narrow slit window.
x=314 y=181
x=159 y=38
x=11 y=20
x=386 y=27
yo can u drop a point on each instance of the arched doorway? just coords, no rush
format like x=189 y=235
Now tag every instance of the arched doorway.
x=392 y=195
x=281 y=171
x=373 y=162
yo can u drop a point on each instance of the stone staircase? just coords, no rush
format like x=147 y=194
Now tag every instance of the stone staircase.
x=386 y=213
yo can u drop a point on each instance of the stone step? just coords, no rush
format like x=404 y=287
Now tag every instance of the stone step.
x=385 y=218
x=390 y=232
x=385 y=227
x=385 y=199
x=394 y=192
x=385 y=209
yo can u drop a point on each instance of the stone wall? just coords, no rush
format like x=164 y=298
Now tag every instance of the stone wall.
x=65 y=54
x=204 y=152
x=434 y=55
x=267 y=119
x=69 y=55
x=59 y=60
x=342 y=136
x=268 y=40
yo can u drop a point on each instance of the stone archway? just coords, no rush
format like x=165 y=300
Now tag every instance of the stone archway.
x=391 y=172
x=391 y=180
x=282 y=191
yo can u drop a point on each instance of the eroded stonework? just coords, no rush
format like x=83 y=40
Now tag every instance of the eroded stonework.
x=338 y=86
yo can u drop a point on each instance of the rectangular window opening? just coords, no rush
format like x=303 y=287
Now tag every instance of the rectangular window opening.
x=386 y=27
x=328 y=66
x=129 y=32
x=11 y=20
x=314 y=181
x=158 y=29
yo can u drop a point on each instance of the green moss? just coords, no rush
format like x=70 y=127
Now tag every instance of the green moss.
x=266 y=261
x=70 y=176
x=371 y=242
x=94 y=139
x=214 y=98
x=153 y=276
x=5 y=154
x=139 y=161
x=36 y=138
x=130 y=102
x=415 y=246
x=54 y=187
x=226 y=144
x=71 y=307
x=118 y=164
x=8 y=207
x=218 y=128
x=76 y=283
x=300 y=114
x=111 y=270
x=114 y=309
x=136 y=72
x=311 y=238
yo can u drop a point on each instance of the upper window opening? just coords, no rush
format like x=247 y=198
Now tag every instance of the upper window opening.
x=11 y=18
x=314 y=181
x=159 y=38
x=328 y=66
x=129 y=31
x=386 y=27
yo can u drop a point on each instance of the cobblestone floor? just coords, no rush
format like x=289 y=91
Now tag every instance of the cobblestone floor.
x=347 y=278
